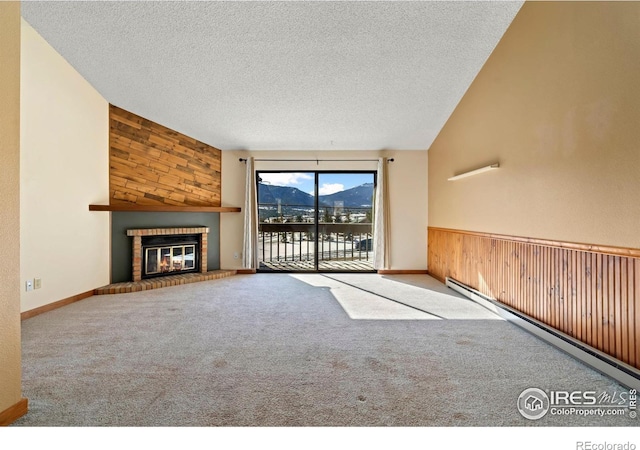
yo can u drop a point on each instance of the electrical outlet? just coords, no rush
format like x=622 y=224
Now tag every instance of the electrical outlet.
x=37 y=283
x=29 y=285
x=235 y=255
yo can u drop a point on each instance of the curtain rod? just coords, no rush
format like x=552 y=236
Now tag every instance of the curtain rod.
x=316 y=160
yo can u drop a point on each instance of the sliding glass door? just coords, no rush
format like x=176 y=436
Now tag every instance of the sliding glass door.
x=286 y=221
x=345 y=218
x=315 y=221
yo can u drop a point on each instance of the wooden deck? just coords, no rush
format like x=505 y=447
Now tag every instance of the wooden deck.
x=324 y=265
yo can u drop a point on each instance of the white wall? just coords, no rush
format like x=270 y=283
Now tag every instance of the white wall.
x=64 y=168
x=407 y=192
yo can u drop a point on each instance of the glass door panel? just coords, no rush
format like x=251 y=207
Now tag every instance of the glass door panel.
x=189 y=257
x=345 y=207
x=286 y=221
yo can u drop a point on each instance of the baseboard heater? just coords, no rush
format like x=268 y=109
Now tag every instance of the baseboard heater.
x=623 y=373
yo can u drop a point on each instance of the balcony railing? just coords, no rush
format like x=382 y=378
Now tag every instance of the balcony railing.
x=292 y=245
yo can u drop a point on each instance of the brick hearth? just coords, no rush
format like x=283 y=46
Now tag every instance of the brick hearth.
x=156 y=283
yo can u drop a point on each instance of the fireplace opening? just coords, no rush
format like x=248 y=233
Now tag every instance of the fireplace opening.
x=170 y=255
x=168 y=251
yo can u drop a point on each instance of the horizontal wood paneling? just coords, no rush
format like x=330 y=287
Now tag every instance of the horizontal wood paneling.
x=150 y=164
x=591 y=295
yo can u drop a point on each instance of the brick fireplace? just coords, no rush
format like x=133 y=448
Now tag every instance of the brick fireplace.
x=145 y=239
x=174 y=255
x=161 y=184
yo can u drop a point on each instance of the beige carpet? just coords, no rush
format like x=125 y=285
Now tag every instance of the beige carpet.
x=291 y=350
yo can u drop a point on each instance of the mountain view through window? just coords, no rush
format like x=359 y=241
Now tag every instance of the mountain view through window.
x=298 y=232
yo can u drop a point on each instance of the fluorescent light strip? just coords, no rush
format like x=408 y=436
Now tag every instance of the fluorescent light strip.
x=475 y=172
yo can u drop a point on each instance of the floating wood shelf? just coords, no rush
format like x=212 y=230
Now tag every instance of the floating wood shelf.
x=163 y=208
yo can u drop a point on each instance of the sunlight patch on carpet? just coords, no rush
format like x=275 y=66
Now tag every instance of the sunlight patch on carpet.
x=361 y=305
x=374 y=297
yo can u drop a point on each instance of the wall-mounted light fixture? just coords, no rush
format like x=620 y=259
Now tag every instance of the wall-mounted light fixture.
x=475 y=172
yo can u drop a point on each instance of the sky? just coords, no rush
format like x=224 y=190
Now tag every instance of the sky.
x=329 y=183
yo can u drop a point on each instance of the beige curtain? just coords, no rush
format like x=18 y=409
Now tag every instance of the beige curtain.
x=381 y=251
x=250 y=252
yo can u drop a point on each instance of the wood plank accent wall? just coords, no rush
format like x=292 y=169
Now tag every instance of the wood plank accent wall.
x=153 y=165
x=591 y=295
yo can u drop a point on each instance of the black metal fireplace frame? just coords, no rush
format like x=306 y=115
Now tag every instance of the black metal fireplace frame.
x=149 y=242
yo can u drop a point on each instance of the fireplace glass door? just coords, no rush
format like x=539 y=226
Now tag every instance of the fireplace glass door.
x=176 y=258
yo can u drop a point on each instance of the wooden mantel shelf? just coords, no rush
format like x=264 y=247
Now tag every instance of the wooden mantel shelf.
x=163 y=208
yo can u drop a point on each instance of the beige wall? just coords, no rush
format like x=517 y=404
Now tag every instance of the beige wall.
x=557 y=105
x=407 y=192
x=10 y=370
x=232 y=194
x=65 y=167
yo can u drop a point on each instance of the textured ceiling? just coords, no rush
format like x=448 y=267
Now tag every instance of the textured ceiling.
x=281 y=75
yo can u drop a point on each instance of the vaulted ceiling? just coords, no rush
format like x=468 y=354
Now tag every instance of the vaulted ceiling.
x=291 y=75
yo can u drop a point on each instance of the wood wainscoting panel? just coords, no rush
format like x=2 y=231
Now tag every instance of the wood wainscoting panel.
x=589 y=292
x=150 y=164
